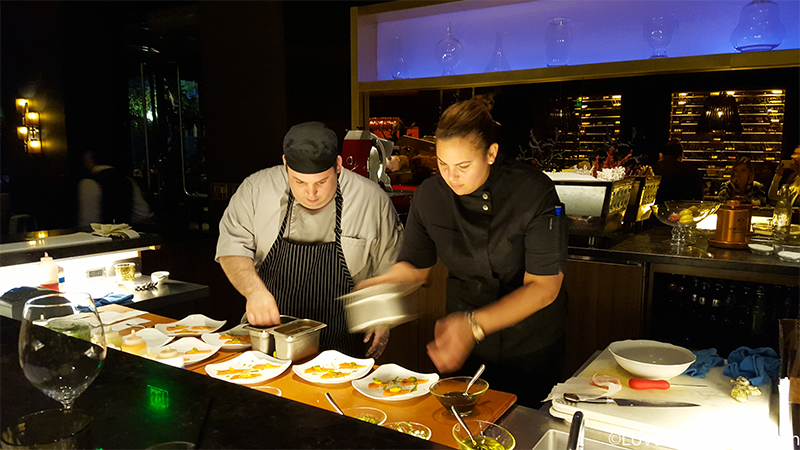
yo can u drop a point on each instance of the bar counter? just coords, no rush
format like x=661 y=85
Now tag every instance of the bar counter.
x=137 y=403
x=652 y=246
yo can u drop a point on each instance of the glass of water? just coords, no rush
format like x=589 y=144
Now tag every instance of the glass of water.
x=62 y=345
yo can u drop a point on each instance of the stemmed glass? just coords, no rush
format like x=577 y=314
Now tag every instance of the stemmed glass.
x=683 y=217
x=658 y=32
x=62 y=345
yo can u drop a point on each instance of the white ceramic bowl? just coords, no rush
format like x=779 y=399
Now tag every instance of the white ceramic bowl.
x=158 y=277
x=651 y=359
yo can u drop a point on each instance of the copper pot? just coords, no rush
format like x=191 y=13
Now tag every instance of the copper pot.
x=733 y=222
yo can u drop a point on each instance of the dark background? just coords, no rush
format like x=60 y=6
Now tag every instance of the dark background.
x=263 y=66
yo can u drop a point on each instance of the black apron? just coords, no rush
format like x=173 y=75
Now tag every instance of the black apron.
x=306 y=279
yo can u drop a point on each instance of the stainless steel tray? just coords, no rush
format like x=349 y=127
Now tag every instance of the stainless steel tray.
x=298 y=339
x=380 y=305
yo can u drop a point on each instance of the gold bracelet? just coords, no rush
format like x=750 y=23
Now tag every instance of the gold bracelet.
x=477 y=330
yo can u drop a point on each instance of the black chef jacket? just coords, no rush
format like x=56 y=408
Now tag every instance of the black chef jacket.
x=488 y=240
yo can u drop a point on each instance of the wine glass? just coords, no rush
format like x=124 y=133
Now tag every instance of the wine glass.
x=658 y=32
x=62 y=344
x=448 y=53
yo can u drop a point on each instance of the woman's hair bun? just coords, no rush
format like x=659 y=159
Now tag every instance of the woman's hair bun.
x=486 y=100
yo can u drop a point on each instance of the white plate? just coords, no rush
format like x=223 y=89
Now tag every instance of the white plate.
x=238 y=330
x=153 y=337
x=247 y=364
x=188 y=344
x=194 y=325
x=391 y=375
x=333 y=362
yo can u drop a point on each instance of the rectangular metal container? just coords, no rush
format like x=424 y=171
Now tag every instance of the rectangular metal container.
x=261 y=338
x=298 y=339
x=594 y=207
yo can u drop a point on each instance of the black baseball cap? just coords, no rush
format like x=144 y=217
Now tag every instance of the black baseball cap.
x=310 y=147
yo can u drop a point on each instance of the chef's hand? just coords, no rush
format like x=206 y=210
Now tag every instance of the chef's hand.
x=452 y=343
x=380 y=337
x=262 y=310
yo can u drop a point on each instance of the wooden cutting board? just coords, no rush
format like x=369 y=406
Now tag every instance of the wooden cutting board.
x=720 y=422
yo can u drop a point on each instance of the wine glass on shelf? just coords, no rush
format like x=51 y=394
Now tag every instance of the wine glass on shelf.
x=62 y=344
x=658 y=32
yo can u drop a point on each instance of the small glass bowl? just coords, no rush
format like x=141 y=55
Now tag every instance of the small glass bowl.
x=413 y=428
x=366 y=414
x=450 y=392
x=788 y=253
x=760 y=248
x=482 y=429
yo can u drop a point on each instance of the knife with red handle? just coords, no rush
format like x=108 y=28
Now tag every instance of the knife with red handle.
x=642 y=383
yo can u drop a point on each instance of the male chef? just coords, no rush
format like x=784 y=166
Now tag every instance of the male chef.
x=297 y=236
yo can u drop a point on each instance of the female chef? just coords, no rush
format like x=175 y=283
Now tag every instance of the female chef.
x=497 y=228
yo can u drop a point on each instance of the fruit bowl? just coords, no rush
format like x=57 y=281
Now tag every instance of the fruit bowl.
x=682 y=216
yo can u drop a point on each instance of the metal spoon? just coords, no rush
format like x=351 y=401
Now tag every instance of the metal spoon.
x=333 y=403
x=475 y=378
x=461 y=422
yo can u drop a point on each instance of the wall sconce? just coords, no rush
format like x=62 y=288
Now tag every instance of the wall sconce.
x=29 y=132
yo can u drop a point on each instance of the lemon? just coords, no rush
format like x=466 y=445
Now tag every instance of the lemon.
x=686 y=211
x=686 y=219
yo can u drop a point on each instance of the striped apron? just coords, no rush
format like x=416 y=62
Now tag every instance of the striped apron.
x=306 y=279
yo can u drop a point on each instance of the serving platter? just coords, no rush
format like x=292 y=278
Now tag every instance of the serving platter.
x=332 y=367
x=250 y=367
x=237 y=338
x=393 y=383
x=193 y=325
x=194 y=350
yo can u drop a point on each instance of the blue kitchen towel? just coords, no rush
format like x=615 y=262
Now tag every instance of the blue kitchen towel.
x=112 y=298
x=757 y=365
x=706 y=359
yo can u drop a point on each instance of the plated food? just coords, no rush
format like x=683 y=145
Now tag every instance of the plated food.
x=194 y=350
x=394 y=383
x=193 y=325
x=248 y=368
x=237 y=338
x=332 y=367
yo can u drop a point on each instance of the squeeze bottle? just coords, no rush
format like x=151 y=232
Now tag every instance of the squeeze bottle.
x=48 y=272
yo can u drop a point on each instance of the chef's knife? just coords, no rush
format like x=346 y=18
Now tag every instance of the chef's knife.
x=574 y=398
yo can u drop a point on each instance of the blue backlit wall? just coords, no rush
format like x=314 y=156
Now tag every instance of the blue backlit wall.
x=602 y=31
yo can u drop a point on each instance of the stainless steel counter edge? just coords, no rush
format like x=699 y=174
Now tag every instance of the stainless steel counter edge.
x=652 y=246
x=529 y=425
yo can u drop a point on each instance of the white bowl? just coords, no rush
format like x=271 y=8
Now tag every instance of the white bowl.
x=158 y=277
x=651 y=359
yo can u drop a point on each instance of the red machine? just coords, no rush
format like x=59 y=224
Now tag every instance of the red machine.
x=366 y=154
x=355 y=151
